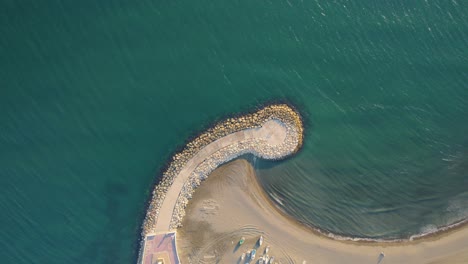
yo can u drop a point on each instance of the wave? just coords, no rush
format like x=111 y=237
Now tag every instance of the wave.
x=426 y=231
x=438 y=230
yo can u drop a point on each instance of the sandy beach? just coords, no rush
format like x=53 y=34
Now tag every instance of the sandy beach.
x=230 y=204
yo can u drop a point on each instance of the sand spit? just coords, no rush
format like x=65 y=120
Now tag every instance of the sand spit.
x=230 y=204
x=273 y=132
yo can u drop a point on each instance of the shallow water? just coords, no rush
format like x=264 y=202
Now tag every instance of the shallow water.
x=95 y=98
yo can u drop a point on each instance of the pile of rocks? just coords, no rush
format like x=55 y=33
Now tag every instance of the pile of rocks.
x=282 y=113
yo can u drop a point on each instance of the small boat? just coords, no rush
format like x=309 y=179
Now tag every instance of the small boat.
x=252 y=255
x=241 y=241
x=260 y=241
x=266 y=259
x=267 y=249
x=272 y=259
x=260 y=261
x=243 y=256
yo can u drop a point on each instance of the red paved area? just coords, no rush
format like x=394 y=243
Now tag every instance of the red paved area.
x=160 y=248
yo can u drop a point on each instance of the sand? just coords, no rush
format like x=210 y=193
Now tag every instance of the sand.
x=230 y=204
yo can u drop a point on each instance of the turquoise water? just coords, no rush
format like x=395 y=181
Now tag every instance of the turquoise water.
x=95 y=97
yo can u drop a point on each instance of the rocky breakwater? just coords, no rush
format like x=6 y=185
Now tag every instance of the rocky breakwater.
x=273 y=132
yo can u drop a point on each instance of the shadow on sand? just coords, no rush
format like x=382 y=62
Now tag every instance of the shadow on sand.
x=236 y=247
x=381 y=257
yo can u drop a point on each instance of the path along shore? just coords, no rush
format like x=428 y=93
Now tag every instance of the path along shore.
x=273 y=132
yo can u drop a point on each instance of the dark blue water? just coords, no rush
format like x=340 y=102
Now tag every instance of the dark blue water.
x=95 y=97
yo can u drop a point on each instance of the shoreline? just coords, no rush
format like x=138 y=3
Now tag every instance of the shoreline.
x=416 y=238
x=421 y=237
x=232 y=203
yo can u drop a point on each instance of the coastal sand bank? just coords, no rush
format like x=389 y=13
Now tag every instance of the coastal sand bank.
x=231 y=204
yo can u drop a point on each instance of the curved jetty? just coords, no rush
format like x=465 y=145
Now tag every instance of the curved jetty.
x=274 y=132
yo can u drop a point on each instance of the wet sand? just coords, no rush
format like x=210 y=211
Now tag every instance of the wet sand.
x=230 y=204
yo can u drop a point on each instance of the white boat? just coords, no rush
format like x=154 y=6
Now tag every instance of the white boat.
x=267 y=249
x=272 y=259
x=260 y=261
x=260 y=241
x=252 y=255
x=243 y=256
x=266 y=259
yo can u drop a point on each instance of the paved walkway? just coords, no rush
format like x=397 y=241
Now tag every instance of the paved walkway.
x=272 y=131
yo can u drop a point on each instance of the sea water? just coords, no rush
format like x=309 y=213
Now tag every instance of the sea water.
x=95 y=97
